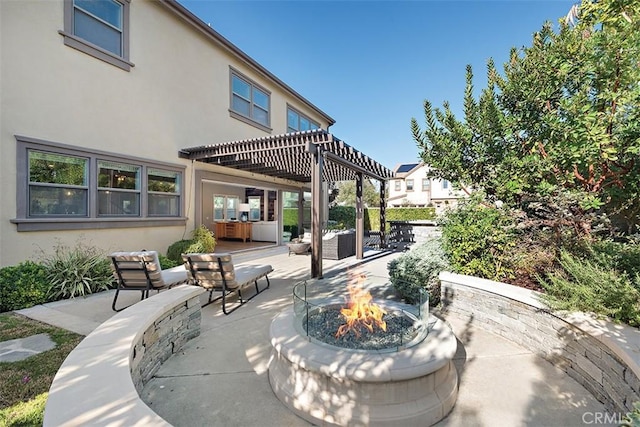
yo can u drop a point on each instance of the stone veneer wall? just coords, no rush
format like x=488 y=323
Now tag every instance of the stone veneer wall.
x=164 y=337
x=99 y=382
x=601 y=356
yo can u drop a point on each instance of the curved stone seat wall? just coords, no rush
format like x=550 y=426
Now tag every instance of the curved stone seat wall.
x=603 y=357
x=99 y=381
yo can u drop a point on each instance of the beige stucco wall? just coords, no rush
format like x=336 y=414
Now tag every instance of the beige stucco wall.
x=176 y=96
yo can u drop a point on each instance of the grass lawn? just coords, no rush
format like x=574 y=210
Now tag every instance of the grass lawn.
x=24 y=385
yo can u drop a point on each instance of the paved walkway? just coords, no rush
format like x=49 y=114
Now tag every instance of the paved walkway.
x=220 y=378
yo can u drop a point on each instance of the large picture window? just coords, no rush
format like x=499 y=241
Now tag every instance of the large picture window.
x=85 y=187
x=99 y=28
x=249 y=101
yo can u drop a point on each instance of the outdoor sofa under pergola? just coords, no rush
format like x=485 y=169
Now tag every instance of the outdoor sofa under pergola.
x=308 y=157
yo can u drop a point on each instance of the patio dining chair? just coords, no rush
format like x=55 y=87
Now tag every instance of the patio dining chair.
x=216 y=272
x=141 y=271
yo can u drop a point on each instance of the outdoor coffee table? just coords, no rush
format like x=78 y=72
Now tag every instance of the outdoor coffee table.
x=299 y=247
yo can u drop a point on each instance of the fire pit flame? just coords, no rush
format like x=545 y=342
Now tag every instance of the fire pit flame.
x=360 y=311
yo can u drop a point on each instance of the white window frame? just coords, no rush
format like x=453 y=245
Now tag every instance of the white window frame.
x=409 y=184
x=226 y=216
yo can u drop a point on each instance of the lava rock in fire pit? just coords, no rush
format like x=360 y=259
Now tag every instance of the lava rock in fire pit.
x=323 y=324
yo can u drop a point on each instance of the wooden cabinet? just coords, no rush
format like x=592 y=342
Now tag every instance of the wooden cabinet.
x=233 y=230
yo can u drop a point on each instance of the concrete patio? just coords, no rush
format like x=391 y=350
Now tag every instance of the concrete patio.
x=220 y=378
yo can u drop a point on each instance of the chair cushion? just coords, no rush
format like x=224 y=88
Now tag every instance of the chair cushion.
x=131 y=265
x=247 y=274
x=204 y=270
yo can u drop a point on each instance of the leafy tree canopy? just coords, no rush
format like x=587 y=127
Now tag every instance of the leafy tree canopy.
x=346 y=193
x=563 y=116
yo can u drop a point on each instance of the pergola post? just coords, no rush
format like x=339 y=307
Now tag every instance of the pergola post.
x=300 y=213
x=316 y=211
x=383 y=216
x=359 y=217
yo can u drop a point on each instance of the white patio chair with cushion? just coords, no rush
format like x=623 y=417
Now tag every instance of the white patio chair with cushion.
x=141 y=271
x=216 y=272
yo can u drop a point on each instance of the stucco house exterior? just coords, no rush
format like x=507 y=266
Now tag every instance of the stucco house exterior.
x=96 y=101
x=411 y=186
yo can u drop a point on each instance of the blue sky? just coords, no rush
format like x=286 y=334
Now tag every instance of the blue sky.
x=371 y=64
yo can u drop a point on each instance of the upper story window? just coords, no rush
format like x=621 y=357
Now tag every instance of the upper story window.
x=445 y=184
x=99 y=28
x=87 y=188
x=250 y=102
x=426 y=184
x=298 y=122
x=409 y=184
x=397 y=183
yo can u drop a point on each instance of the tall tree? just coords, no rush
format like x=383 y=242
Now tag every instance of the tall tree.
x=347 y=193
x=565 y=114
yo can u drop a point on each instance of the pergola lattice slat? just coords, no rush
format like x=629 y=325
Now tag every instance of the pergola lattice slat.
x=286 y=156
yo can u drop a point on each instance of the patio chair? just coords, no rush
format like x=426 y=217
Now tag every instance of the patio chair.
x=215 y=272
x=141 y=271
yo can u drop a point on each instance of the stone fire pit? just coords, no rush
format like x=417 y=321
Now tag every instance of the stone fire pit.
x=412 y=384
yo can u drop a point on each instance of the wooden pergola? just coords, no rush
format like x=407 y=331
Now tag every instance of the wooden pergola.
x=307 y=157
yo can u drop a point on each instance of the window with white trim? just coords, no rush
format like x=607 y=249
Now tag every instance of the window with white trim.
x=249 y=100
x=426 y=184
x=225 y=208
x=298 y=122
x=409 y=184
x=445 y=184
x=397 y=185
x=99 y=28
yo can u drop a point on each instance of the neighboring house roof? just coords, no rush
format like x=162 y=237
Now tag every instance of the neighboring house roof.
x=405 y=169
x=221 y=41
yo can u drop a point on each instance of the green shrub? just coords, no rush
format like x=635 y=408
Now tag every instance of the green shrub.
x=478 y=240
x=176 y=249
x=584 y=285
x=167 y=263
x=632 y=419
x=23 y=286
x=624 y=257
x=419 y=268
x=345 y=215
x=77 y=271
x=202 y=241
x=410 y=214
